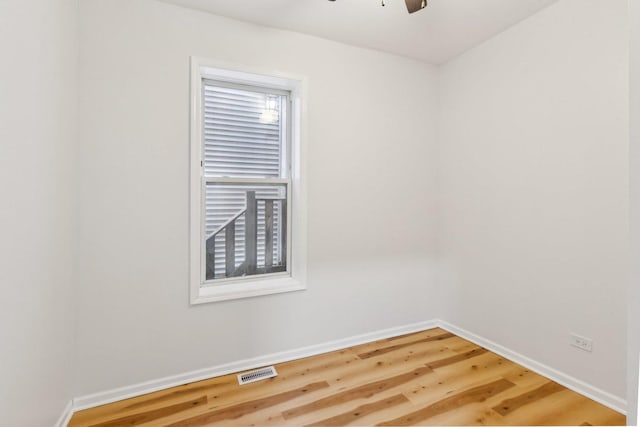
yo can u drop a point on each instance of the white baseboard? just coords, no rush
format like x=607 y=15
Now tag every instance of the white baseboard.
x=65 y=417
x=109 y=396
x=614 y=402
x=134 y=390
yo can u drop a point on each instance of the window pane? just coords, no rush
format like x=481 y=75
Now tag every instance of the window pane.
x=243 y=132
x=228 y=213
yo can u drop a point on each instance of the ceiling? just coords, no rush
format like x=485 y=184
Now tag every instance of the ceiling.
x=442 y=31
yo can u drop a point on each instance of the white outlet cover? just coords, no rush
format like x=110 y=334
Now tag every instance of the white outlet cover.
x=581 y=342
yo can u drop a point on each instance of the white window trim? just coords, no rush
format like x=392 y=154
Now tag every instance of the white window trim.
x=295 y=279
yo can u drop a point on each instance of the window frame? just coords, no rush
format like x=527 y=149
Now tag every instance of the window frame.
x=294 y=279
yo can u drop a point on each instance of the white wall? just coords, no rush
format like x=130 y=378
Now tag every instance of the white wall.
x=633 y=334
x=371 y=197
x=38 y=100
x=534 y=188
x=533 y=192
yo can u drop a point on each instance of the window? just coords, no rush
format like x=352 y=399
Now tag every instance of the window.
x=247 y=215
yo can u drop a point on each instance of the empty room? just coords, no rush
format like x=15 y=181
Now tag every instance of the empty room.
x=319 y=212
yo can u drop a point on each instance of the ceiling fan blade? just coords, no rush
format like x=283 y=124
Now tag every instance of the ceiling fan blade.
x=415 y=5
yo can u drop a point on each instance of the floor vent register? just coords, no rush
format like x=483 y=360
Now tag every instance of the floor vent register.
x=257 y=375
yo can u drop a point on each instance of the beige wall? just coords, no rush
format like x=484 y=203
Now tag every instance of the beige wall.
x=534 y=189
x=371 y=136
x=528 y=210
x=633 y=337
x=38 y=99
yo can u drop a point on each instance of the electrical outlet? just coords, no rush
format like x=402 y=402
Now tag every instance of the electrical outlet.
x=582 y=343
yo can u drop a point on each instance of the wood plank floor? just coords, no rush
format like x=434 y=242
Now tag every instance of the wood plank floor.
x=428 y=378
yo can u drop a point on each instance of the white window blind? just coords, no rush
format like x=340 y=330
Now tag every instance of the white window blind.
x=244 y=136
x=239 y=141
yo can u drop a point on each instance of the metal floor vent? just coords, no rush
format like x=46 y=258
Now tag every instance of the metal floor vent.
x=260 y=374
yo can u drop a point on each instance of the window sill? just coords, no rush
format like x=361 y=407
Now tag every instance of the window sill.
x=246 y=289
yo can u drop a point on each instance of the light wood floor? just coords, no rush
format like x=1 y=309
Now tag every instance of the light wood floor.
x=428 y=378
